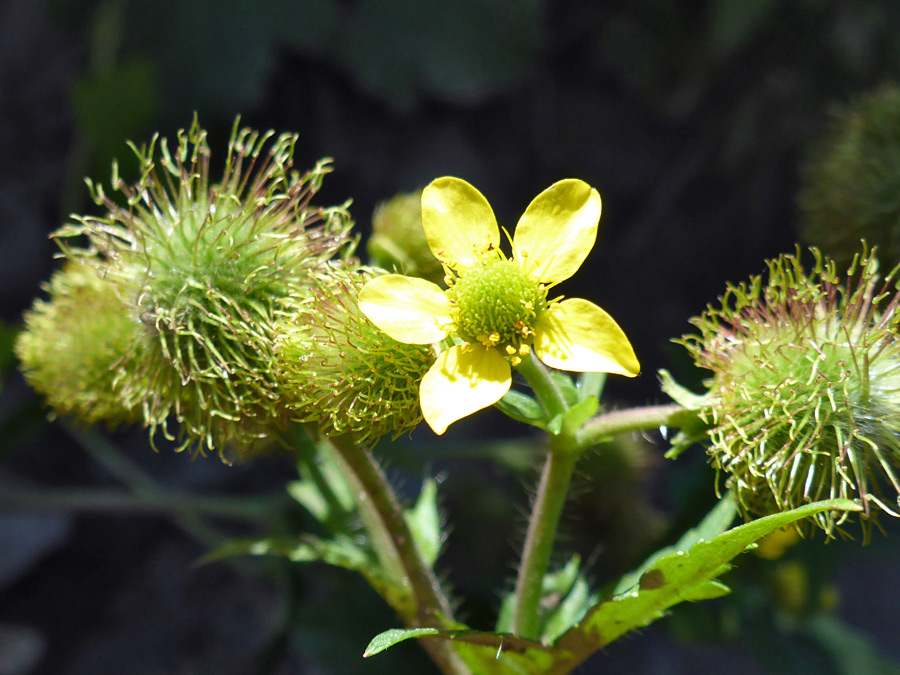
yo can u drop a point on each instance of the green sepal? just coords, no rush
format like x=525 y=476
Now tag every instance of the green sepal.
x=682 y=396
x=590 y=384
x=692 y=429
x=678 y=576
x=522 y=408
x=566 y=386
x=572 y=419
x=424 y=522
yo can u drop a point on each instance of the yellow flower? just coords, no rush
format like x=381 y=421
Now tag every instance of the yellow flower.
x=496 y=308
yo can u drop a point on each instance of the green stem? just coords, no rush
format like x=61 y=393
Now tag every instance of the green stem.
x=556 y=477
x=394 y=544
x=545 y=515
x=632 y=419
x=548 y=504
x=545 y=388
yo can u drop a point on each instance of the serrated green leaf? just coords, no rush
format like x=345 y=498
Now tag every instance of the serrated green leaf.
x=501 y=641
x=425 y=523
x=522 y=408
x=714 y=523
x=677 y=576
x=300 y=548
x=341 y=551
x=708 y=590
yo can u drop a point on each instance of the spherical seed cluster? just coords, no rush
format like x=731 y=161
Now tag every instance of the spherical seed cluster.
x=497 y=305
x=339 y=372
x=79 y=345
x=211 y=265
x=807 y=389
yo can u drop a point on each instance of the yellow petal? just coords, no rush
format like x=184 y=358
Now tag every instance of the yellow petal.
x=558 y=230
x=462 y=380
x=577 y=335
x=410 y=310
x=458 y=221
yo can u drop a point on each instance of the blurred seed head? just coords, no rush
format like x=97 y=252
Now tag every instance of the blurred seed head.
x=398 y=241
x=80 y=344
x=851 y=182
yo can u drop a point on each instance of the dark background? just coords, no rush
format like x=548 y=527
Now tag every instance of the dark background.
x=691 y=118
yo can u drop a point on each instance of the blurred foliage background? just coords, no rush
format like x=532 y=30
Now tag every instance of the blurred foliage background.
x=693 y=119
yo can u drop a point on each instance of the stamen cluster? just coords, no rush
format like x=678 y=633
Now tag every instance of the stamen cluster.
x=497 y=305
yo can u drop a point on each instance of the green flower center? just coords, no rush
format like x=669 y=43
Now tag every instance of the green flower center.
x=498 y=305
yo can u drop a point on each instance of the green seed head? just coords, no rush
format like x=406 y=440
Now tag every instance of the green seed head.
x=339 y=372
x=851 y=186
x=806 y=378
x=80 y=346
x=216 y=262
x=498 y=305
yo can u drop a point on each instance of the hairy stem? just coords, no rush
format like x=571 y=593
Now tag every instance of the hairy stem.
x=394 y=544
x=545 y=515
x=548 y=504
x=632 y=419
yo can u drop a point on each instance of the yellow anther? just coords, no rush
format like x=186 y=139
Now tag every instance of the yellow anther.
x=515 y=360
x=510 y=350
x=494 y=338
x=524 y=349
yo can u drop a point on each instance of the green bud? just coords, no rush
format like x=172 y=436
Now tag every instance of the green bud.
x=806 y=389
x=851 y=183
x=342 y=374
x=80 y=345
x=398 y=240
x=216 y=262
